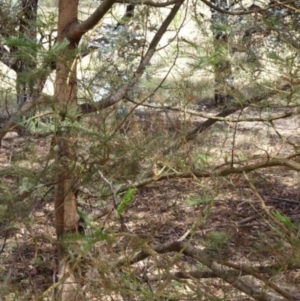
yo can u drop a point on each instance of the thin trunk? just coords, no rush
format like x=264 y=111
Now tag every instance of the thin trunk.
x=65 y=95
x=27 y=30
x=27 y=63
x=222 y=65
x=66 y=219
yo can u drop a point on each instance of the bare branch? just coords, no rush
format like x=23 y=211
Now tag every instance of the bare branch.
x=236 y=13
x=149 y=2
x=162 y=109
x=256 y=273
x=218 y=171
x=111 y=100
x=200 y=128
x=251 y=10
x=254 y=8
x=209 y=122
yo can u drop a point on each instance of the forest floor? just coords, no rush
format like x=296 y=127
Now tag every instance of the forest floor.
x=221 y=215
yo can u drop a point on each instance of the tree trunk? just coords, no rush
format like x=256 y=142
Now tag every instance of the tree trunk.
x=66 y=219
x=27 y=63
x=222 y=65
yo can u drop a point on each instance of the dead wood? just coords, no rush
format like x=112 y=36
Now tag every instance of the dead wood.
x=218 y=269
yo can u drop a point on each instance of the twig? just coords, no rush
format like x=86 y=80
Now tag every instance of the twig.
x=115 y=201
x=115 y=198
x=234 y=138
x=247 y=219
x=284 y=200
x=185 y=235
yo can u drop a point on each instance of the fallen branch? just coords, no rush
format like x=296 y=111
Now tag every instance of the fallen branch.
x=239 y=270
x=219 y=269
x=251 y=271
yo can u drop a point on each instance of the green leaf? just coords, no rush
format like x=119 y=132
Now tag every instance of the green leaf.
x=84 y=217
x=203 y=158
x=218 y=239
x=22 y=43
x=126 y=200
x=203 y=200
x=284 y=220
x=25 y=185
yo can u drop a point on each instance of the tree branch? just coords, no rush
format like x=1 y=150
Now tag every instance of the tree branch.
x=77 y=30
x=256 y=9
x=203 y=126
x=218 y=172
x=163 y=109
x=149 y=2
x=111 y=100
x=209 y=122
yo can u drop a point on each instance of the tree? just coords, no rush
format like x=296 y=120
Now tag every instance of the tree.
x=70 y=31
